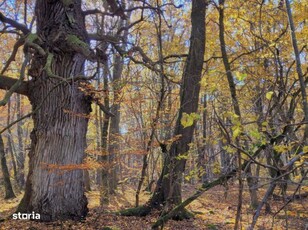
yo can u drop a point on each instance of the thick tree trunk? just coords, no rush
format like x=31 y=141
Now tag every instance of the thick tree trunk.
x=9 y=193
x=55 y=186
x=168 y=188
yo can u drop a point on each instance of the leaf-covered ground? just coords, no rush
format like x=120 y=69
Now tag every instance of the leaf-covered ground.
x=216 y=209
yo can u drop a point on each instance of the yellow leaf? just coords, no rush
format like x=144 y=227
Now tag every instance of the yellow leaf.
x=240 y=76
x=187 y=120
x=236 y=131
x=203 y=82
x=269 y=95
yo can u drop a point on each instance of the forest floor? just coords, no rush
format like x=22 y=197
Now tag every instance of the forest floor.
x=216 y=209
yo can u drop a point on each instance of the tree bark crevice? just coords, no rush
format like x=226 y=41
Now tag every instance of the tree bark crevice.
x=55 y=186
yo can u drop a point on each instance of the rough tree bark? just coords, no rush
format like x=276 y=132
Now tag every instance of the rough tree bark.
x=55 y=187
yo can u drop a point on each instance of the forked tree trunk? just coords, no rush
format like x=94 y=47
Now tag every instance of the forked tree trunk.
x=55 y=187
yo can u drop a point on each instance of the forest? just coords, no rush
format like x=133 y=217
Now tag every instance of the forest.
x=153 y=114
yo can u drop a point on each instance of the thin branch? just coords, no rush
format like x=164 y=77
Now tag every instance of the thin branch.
x=15 y=24
x=17 y=83
x=96 y=11
x=18 y=44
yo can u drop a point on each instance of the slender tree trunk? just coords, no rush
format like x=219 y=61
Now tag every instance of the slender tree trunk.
x=10 y=142
x=204 y=149
x=104 y=124
x=11 y=151
x=98 y=144
x=160 y=104
x=235 y=102
x=114 y=131
x=298 y=69
x=169 y=185
x=9 y=193
x=98 y=128
x=20 y=155
x=252 y=185
x=87 y=180
x=268 y=193
x=104 y=128
x=55 y=186
x=225 y=159
x=149 y=143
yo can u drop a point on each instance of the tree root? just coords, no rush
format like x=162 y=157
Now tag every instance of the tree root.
x=138 y=211
x=146 y=210
x=183 y=215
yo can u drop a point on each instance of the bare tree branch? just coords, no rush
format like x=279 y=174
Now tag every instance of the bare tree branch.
x=15 y=24
x=17 y=83
x=7 y=82
x=116 y=9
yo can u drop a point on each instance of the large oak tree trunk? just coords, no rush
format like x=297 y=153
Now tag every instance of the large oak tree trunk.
x=55 y=187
